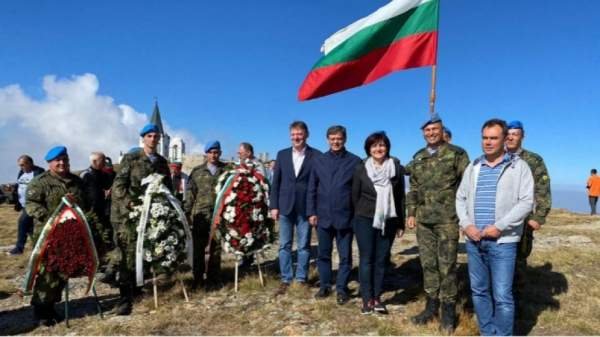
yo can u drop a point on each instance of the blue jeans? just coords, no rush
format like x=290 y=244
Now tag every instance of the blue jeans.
x=373 y=250
x=491 y=270
x=343 y=241
x=286 y=236
x=25 y=227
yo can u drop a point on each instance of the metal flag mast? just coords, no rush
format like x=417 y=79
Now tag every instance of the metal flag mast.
x=432 y=95
x=434 y=67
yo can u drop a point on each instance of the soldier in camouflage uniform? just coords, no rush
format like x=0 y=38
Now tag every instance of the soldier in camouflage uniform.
x=134 y=167
x=199 y=205
x=435 y=174
x=542 y=202
x=44 y=194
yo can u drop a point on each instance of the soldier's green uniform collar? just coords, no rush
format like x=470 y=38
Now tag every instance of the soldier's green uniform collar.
x=68 y=177
x=424 y=153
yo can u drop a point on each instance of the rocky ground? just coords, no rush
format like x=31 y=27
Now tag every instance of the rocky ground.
x=563 y=296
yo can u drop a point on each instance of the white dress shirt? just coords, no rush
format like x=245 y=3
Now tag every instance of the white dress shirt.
x=298 y=159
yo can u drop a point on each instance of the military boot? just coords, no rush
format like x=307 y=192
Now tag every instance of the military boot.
x=125 y=304
x=44 y=314
x=448 y=323
x=431 y=311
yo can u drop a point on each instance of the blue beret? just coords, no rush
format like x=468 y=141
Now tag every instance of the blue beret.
x=55 y=152
x=213 y=144
x=148 y=128
x=515 y=125
x=435 y=118
x=446 y=130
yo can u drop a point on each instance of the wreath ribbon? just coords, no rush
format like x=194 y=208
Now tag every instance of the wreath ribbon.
x=39 y=250
x=154 y=182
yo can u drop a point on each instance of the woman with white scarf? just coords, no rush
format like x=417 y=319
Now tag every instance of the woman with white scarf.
x=378 y=200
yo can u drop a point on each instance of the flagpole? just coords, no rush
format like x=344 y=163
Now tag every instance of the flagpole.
x=434 y=68
x=432 y=95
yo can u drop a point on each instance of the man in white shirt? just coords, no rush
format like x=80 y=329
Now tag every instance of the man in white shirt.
x=25 y=223
x=288 y=204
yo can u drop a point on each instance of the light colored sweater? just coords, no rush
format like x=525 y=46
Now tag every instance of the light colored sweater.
x=514 y=198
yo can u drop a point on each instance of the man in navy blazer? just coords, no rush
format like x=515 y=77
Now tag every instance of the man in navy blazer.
x=288 y=203
x=329 y=208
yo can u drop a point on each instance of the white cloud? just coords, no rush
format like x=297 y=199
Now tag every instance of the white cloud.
x=73 y=114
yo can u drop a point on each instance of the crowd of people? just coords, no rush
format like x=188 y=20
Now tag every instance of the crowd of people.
x=497 y=200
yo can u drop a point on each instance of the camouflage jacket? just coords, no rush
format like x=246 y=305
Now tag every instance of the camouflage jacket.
x=200 y=189
x=542 y=193
x=44 y=194
x=127 y=184
x=434 y=180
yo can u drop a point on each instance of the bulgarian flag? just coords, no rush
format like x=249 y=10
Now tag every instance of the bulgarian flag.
x=399 y=35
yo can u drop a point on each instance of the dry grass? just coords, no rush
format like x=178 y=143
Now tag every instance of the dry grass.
x=562 y=296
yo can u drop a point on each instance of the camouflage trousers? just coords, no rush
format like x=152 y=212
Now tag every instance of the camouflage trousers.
x=438 y=245
x=523 y=251
x=201 y=224
x=48 y=288
x=127 y=240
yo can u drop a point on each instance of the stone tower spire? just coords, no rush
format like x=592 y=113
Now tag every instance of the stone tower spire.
x=155 y=119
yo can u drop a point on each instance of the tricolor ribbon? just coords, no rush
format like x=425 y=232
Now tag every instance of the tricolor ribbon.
x=39 y=250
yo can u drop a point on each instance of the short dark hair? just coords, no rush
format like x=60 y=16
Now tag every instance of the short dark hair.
x=377 y=137
x=336 y=129
x=496 y=122
x=299 y=125
x=594 y=171
x=26 y=158
x=248 y=147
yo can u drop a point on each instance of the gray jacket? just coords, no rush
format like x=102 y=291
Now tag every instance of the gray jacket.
x=514 y=198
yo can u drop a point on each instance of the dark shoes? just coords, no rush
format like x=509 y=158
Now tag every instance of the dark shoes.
x=124 y=308
x=125 y=304
x=14 y=252
x=367 y=308
x=323 y=293
x=373 y=305
x=45 y=314
x=379 y=307
x=342 y=298
x=429 y=313
x=282 y=289
x=448 y=323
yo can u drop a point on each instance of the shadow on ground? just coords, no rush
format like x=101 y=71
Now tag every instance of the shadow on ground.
x=20 y=321
x=542 y=287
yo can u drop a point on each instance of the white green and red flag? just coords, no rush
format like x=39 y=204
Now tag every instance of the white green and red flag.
x=399 y=35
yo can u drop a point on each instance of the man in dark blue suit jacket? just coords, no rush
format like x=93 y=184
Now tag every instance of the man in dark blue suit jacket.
x=329 y=208
x=288 y=203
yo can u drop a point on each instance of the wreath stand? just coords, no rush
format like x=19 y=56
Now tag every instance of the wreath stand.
x=67 y=303
x=155 y=289
x=260 y=276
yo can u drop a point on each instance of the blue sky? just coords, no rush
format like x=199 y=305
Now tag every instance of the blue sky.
x=231 y=70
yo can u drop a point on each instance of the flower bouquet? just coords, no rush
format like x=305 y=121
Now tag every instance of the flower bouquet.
x=241 y=207
x=65 y=246
x=164 y=239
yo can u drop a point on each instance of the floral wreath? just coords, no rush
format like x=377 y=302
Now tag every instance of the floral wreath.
x=164 y=240
x=241 y=208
